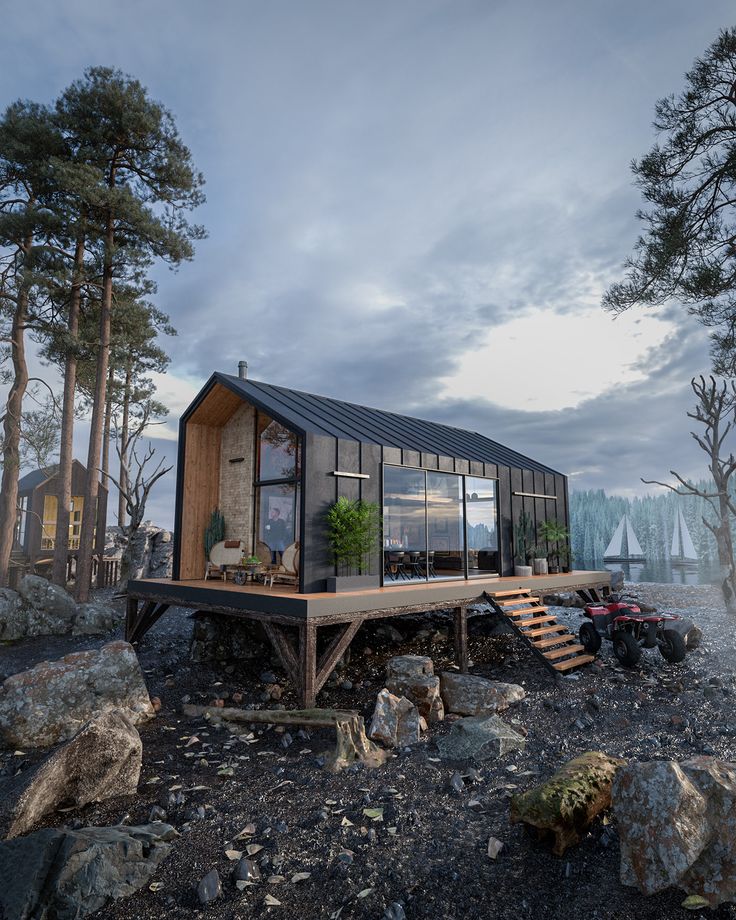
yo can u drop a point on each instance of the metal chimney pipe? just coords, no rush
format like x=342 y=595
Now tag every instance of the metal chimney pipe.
x=243 y=370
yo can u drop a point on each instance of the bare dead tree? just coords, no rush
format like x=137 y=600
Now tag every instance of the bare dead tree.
x=715 y=410
x=135 y=484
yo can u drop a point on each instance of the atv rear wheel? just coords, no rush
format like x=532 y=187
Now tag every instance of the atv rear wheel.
x=590 y=638
x=626 y=648
x=672 y=646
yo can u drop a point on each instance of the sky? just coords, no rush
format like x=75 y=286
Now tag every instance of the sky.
x=412 y=204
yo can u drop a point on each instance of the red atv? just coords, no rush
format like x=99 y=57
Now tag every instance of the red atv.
x=630 y=630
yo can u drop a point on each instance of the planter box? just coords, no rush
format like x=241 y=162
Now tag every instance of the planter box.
x=341 y=583
x=522 y=571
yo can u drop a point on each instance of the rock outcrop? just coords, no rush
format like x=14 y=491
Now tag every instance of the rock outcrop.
x=412 y=676
x=480 y=738
x=50 y=702
x=395 y=721
x=564 y=806
x=101 y=762
x=468 y=695
x=677 y=826
x=68 y=874
x=151 y=552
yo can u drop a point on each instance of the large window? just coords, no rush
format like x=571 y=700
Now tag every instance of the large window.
x=438 y=525
x=276 y=486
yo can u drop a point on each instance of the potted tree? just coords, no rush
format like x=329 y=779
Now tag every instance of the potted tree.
x=555 y=535
x=353 y=530
x=523 y=545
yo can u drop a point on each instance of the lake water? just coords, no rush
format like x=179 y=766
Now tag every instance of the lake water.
x=664 y=572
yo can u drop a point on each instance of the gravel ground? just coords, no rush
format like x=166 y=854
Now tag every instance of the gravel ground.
x=429 y=853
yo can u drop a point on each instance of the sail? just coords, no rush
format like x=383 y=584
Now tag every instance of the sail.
x=634 y=547
x=615 y=547
x=676 y=548
x=688 y=548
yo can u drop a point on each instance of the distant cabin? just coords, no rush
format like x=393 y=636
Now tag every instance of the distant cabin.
x=274 y=459
x=35 y=529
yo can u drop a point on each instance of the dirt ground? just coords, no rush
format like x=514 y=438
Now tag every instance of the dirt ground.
x=427 y=857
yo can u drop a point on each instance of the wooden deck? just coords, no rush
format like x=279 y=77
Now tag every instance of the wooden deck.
x=285 y=602
x=282 y=610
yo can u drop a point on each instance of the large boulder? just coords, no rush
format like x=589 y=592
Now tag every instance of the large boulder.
x=65 y=874
x=102 y=761
x=13 y=615
x=480 y=738
x=412 y=676
x=40 y=608
x=395 y=721
x=677 y=826
x=50 y=702
x=469 y=695
x=52 y=609
x=94 y=619
x=564 y=806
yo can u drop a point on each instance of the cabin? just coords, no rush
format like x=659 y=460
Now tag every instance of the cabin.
x=35 y=530
x=274 y=460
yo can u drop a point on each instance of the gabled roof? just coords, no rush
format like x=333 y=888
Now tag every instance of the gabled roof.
x=307 y=412
x=29 y=482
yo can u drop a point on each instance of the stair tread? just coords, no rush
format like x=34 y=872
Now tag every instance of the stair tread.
x=573 y=662
x=550 y=618
x=495 y=594
x=561 y=652
x=554 y=640
x=513 y=601
x=547 y=629
x=516 y=613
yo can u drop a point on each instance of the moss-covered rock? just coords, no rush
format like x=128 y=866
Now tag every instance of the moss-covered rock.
x=564 y=806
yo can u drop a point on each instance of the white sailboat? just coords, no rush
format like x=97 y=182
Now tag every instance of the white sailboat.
x=682 y=551
x=624 y=546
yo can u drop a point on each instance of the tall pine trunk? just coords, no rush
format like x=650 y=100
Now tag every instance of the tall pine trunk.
x=66 y=445
x=105 y=465
x=91 y=492
x=12 y=427
x=122 y=478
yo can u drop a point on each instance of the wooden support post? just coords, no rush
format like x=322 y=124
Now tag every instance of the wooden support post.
x=307 y=664
x=150 y=615
x=461 y=638
x=335 y=650
x=284 y=649
x=131 y=615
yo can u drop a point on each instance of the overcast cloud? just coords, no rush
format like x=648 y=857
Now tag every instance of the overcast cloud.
x=393 y=186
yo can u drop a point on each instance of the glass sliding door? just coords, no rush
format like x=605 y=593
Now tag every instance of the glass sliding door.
x=438 y=525
x=481 y=526
x=404 y=525
x=446 y=540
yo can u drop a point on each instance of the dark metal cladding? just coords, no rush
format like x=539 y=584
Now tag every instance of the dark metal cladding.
x=322 y=415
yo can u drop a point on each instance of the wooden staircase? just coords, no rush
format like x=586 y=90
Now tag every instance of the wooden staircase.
x=557 y=648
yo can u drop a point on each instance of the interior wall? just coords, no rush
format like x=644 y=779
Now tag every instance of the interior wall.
x=236 y=475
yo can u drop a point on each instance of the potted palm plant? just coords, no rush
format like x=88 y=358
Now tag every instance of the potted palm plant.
x=555 y=535
x=523 y=545
x=353 y=530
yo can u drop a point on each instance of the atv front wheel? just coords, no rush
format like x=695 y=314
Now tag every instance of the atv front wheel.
x=590 y=638
x=626 y=648
x=672 y=646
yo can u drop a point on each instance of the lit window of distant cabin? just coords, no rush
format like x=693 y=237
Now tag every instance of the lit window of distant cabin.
x=278 y=450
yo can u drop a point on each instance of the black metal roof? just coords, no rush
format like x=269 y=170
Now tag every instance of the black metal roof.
x=29 y=482
x=306 y=412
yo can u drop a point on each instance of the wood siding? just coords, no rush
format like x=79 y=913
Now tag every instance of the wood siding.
x=200 y=495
